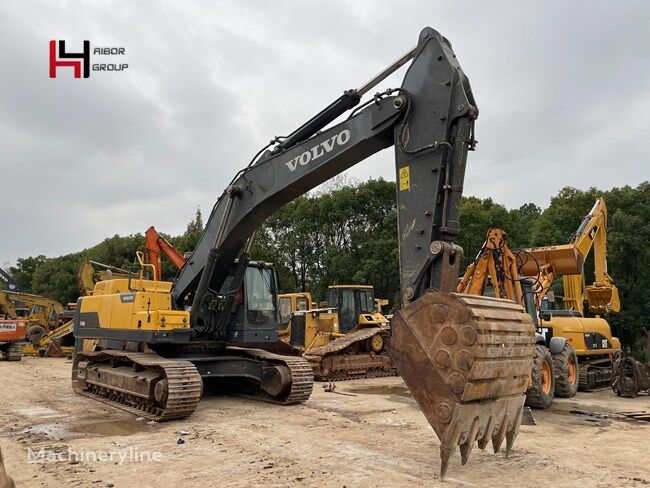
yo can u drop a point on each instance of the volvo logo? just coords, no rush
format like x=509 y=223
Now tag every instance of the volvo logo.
x=316 y=152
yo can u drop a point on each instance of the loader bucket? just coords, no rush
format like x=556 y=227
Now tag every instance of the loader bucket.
x=564 y=258
x=467 y=361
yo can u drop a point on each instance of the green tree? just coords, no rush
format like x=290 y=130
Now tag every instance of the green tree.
x=195 y=226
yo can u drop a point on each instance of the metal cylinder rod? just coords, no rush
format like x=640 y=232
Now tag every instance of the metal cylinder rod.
x=386 y=72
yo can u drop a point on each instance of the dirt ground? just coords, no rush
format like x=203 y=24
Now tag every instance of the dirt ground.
x=375 y=435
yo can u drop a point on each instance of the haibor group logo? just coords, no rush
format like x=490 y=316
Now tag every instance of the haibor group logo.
x=61 y=60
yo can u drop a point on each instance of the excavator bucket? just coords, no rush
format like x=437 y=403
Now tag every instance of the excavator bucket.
x=467 y=361
x=565 y=259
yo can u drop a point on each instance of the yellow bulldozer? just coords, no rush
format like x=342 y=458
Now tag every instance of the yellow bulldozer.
x=344 y=338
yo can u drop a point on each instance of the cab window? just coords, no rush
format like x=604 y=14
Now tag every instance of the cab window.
x=302 y=304
x=285 y=310
x=367 y=304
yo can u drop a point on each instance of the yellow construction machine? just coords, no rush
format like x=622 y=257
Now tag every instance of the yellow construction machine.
x=572 y=351
x=466 y=359
x=41 y=314
x=345 y=338
x=59 y=341
x=90 y=272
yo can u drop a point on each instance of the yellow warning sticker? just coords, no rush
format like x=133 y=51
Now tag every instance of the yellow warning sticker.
x=404 y=178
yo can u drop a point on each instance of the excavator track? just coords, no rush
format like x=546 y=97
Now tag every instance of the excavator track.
x=595 y=376
x=15 y=351
x=302 y=377
x=144 y=384
x=331 y=363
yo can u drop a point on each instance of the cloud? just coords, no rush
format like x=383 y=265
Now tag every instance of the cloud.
x=561 y=86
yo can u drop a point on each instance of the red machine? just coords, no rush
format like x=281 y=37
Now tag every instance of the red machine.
x=156 y=245
x=12 y=336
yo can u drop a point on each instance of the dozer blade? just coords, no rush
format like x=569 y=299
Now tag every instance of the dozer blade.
x=467 y=360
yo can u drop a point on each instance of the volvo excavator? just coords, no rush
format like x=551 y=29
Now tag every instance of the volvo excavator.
x=466 y=359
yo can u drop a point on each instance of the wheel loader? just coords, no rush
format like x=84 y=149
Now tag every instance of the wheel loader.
x=345 y=338
x=466 y=359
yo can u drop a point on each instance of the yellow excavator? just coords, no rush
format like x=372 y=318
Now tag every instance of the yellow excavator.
x=466 y=359
x=602 y=295
x=41 y=314
x=572 y=351
x=345 y=338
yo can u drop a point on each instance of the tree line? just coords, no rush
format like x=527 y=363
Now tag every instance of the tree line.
x=349 y=235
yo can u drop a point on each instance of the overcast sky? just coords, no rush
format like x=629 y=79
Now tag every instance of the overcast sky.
x=563 y=89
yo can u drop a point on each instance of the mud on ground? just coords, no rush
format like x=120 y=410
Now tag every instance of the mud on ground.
x=373 y=435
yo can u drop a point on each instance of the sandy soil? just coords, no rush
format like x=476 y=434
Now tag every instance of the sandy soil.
x=378 y=437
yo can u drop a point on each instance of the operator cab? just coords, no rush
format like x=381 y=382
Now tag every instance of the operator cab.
x=351 y=302
x=256 y=313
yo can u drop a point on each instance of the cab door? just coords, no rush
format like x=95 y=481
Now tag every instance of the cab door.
x=347 y=310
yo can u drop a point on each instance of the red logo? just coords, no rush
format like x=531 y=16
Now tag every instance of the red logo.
x=61 y=59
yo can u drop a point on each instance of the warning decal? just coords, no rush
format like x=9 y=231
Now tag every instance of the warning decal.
x=405 y=178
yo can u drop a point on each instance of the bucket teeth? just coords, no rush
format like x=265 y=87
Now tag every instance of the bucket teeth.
x=510 y=440
x=498 y=436
x=483 y=442
x=466 y=360
x=465 y=450
x=445 y=454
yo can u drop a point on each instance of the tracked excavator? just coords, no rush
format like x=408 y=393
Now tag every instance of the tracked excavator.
x=345 y=338
x=466 y=359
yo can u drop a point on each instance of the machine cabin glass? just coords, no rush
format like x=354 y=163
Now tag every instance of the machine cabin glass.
x=260 y=287
x=350 y=303
x=285 y=311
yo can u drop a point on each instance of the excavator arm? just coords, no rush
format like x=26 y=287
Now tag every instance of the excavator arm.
x=465 y=359
x=602 y=295
x=8 y=281
x=155 y=246
x=7 y=307
x=44 y=310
